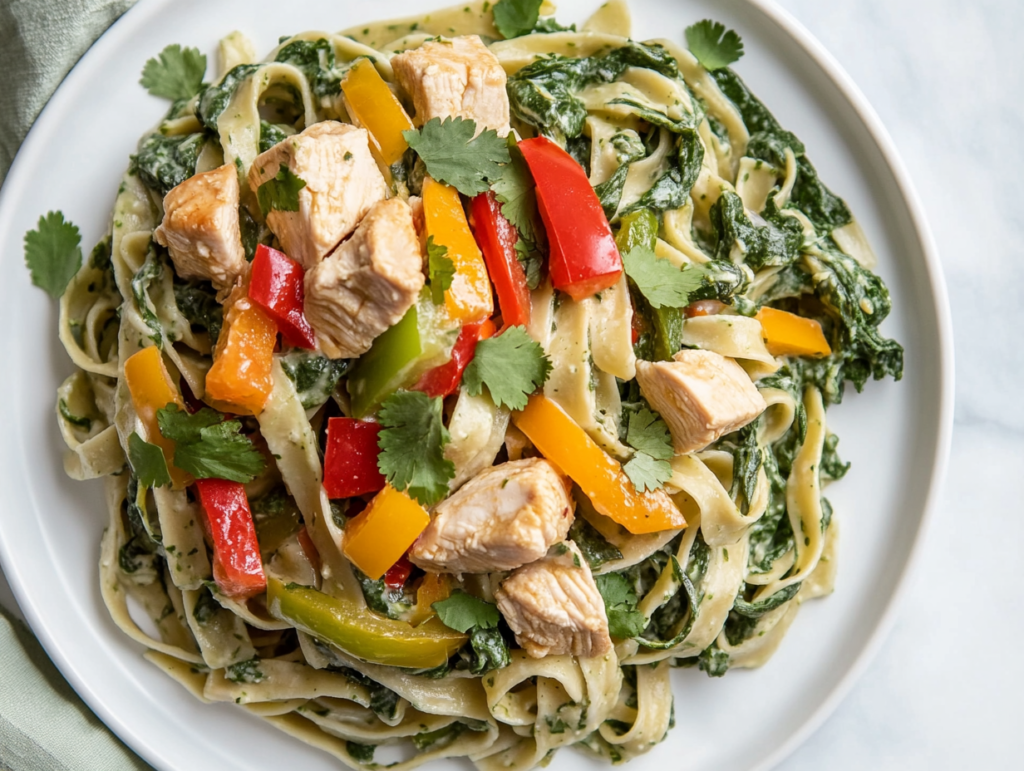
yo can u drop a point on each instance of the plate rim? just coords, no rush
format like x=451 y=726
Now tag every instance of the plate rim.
x=882 y=141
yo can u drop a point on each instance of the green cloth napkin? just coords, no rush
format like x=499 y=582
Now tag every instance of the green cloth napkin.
x=44 y=726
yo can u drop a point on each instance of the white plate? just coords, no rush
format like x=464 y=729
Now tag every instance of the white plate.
x=896 y=434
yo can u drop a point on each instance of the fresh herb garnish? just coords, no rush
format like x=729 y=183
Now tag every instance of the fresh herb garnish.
x=440 y=270
x=412 y=446
x=53 y=253
x=512 y=366
x=281 y=192
x=624 y=620
x=148 y=462
x=452 y=153
x=209 y=447
x=661 y=283
x=516 y=17
x=713 y=45
x=463 y=612
x=648 y=434
x=175 y=73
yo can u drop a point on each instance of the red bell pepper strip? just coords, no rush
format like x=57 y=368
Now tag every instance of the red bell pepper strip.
x=277 y=286
x=497 y=238
x=237 y=567
x=398 y=574
x=444 y=380
x=584 y=259
x=350 y=462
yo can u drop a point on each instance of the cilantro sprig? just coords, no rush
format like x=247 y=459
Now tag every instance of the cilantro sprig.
x=53 y=253
x=462 y=612
x=208 y=446
x=412 y=446
x=713 y=45
x=148 y=462
x=659 y=281
x=516 y=17
x=620 y=603
x=175 y=73
x=512 y=366
x=452 y=154
x=280 y=192
x=440 y=270
x=648 y=434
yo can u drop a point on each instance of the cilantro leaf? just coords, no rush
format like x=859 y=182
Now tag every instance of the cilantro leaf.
x=53 y=253
x=516 y=193
x=440 y=270
x=648 y=433
x=646 y=473
x=412 y=446
x=620 y=601
x=148 y=462
x=512 y=366
x=713 y=45
x=176 y=73
x=280 y=193
x=453 y=155
x=659 y=281
x=209 y=447
x=516 y=17
x=463 y=612
x=532 y=260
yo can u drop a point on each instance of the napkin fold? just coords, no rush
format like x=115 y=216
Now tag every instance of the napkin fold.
x=44 y=726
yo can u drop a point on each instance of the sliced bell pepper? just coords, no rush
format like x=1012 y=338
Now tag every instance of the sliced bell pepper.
x=584 y=259
x=376 y=108
x=663 y=326
x=705 y=308
x=786 y=334
x=417 y=343
x=237 y=567
x=497 y=238
x=377 y=538
x=398 y=574
x=600 y=476
x=350 y=461
x=306 y=542
x=277 y=286
x=359 y=631
x=240 y=377
x=468 y=299
x=151 y=388
x=445 y=379
x=433 y=588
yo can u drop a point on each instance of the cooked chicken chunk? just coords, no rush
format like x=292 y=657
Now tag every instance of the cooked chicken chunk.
x=554 y=607
x=455 y=78
x=200 y=227
x=368 y=283
x=341 y=179
x=504 y=517
x=701 y=395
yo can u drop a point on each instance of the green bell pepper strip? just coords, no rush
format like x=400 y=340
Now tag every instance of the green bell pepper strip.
x=399 y=356
x=662 y=334
x=359 y=631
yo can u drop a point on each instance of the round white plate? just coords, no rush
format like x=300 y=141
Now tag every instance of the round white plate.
x=896 y=434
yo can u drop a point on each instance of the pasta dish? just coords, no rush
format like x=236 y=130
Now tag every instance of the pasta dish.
x=454 y=378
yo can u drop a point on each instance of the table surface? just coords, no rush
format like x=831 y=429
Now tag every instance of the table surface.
x=946 y=78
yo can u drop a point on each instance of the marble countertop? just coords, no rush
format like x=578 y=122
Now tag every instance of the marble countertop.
x=946 y=78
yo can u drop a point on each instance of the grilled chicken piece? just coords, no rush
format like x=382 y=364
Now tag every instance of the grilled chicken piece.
x=455 y=78
x=701 y=395
x=341 y=179
x=554 y=607
x=504 y=517
x=368 y=283
x=200 y=227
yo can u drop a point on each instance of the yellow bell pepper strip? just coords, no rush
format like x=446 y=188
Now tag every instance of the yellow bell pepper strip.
x=240 y=377
x=468 y=300
x=786 y=334
x=600 y=476
x=377 y=538
x=417 y=343
x=359 y=631
x=151 y=388
x=375 y=107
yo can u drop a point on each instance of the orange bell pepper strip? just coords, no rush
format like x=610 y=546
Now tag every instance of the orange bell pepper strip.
x=240 y=378
x=600 y=476
x=151 y=388
x=468 y=300
x=786 y=334
x=375 y=108
x=433 y=588
x=378 y=537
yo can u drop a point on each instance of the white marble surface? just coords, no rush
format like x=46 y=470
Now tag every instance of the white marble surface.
x=947 y=78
